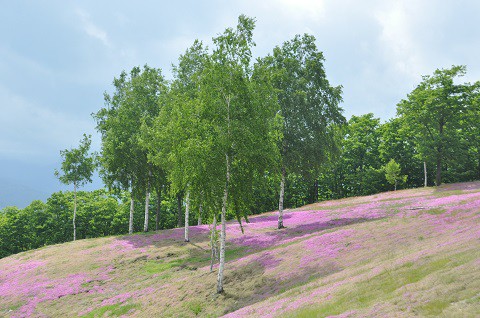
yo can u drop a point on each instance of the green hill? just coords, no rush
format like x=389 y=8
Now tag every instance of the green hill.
x=396 y=254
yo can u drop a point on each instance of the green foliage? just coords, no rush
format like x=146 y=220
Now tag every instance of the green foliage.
x=99 y=213
x=398 y=143
x=308 y=104
x=393 y=173
x=78 y=165
x=135 y=103
x=433 y=112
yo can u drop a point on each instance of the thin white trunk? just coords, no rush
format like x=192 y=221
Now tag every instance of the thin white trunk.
x=280 y=201
x=187 y=214
x=223 y=231
x=74 y=210
x=425 y=172
x=200 y=211
x=130 y=221
x=147 y=206
x=157 y=214
x=213 y=242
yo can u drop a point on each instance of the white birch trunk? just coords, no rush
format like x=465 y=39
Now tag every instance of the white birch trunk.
x=223 y=231
x=187 y=215
x=130 y=221
x=157 y=213
x=280 y=201
x=425 y=172
x=213 y=243
x=74 y=211
x=147 y=206
x=200 y=211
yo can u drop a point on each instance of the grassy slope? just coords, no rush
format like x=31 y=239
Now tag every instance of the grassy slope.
x=404 y=253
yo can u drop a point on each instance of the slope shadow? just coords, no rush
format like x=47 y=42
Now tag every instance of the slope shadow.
x=464 y=186
x=197 y=234
x=276 y=237
x=270 y=218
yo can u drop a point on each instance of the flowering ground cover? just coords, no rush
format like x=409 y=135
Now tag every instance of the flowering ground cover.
x=405 y=253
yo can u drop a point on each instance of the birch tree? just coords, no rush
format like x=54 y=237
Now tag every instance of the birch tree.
x=393 y=173
x=77 y=169
x=309 y=106
x=177 y=138
x=124 y=162
x=241 y=112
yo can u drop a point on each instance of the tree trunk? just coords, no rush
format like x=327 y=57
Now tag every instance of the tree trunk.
x=200 y=211
x=147 y=206
x=130 y=221
x=478 y=162
x=315 y=193
x=74 y=210
x=438 y=177
x=425 y=172
x=157 y=212
x=213 y=242
x=395 y=186
x=179 y=209
x=223 y=230
x=280 y=201
x=187 y=214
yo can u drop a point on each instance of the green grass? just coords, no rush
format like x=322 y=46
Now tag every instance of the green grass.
x=116 y=310
x=13 y=307
x=434 y=307
x=381 y=287
x=232 y=253
x=439 y=193
x=195 y=306
x=436 y=211
x=155 y=267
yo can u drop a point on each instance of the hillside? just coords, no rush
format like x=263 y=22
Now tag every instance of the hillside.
x=405 y=253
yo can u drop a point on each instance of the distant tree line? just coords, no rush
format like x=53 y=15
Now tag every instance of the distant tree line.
x=230 y=136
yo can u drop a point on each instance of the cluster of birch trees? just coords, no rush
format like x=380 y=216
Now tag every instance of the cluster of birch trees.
x=223 y=123
x=230 y=135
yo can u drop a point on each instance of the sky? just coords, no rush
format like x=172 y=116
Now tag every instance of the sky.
x=57 y=58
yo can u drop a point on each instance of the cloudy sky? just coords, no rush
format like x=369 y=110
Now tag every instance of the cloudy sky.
x=58 y=57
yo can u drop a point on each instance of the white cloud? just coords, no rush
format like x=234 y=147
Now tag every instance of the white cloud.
x=398 y=27
x=91 y=28
x=302 y=9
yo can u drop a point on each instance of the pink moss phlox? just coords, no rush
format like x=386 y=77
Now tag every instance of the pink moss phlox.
x=43 y=289
x=103 y=273
x=24 y=281
x=13 y=279
x=326 y=246
x=123 y=297
x=268 y=260
x=117 y=299
x=141 y=241
x=262 y=233
x=122 y=245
